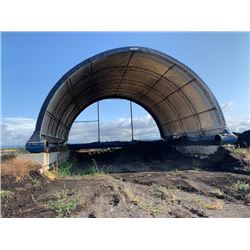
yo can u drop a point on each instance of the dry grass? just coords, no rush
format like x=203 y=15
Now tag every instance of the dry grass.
x=130 y=195
x=243 y=152
x=164 y=193
x=154 y=209
x=18 y=168
x=217 y=206
x=51 y=174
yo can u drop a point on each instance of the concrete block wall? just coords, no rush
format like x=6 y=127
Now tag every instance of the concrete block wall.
x=47 y=160
x=36 y=157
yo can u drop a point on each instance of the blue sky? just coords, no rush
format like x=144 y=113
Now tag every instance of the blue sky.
x=33 y=62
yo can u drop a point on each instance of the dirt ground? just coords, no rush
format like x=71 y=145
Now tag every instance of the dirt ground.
x=135 y=186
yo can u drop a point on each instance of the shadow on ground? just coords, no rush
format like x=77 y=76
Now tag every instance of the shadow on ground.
x=155 y=156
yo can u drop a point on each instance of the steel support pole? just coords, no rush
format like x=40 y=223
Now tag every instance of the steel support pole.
x=131 y=119
x=98 y=120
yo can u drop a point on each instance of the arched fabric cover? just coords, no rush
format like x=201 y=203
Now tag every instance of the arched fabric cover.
x=178 y=100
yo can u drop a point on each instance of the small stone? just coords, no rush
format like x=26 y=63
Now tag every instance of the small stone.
x=92 y=215
x=116 y=200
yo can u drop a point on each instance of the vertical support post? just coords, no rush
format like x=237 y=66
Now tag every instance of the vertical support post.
x=98 y=120
x=131 y=119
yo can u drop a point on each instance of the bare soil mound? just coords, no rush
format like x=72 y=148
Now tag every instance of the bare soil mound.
x=134 y=184
x=243 y=139
x=185 y=193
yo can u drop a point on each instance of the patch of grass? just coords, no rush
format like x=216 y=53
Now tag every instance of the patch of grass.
x=159 y=191
x=159 y=194
x=34 y=181
x=111 y=169
x=65 y=169
x=7 y=157
x=19 y=149
x=63 y=204
x=240 y=151
x=52 y=174
x=198 y=200
x=243 y=154
x=156 y=186
x=216 y=206
x=33 y=198
x=218 y=193
x=6 y=193
x=165 y=193
x=68 y=169
x=241 y=186
x=18 y=168
x=131 y=196
x=172 y=198
x=93 y=170
x=155 y=209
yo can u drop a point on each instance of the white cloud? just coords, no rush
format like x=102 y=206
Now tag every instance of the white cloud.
x=17 y=130
x=238 y=125
x=235 y=124
x=228 y=107
x=144 y=128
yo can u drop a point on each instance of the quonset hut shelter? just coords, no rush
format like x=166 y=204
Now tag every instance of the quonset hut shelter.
x=179 y=101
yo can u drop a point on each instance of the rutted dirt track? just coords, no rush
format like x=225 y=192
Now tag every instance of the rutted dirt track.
x=185 y=193
x=144 y=193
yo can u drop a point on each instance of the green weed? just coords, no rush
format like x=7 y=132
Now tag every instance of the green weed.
x=218 y=193
x=65 y=169
x=6 y=193
x=159 y=191
x=241 y=186
x=63 y=204
x=33 y=198
x=153 y=210
x=92 y=170
x=35 y=182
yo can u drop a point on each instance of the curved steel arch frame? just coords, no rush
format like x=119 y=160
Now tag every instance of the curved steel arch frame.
x=176 y=97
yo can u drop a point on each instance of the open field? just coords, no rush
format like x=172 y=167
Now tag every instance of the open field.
x=128 y=184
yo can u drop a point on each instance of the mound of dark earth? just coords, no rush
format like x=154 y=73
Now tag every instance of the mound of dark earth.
x=243 y=139
x=135 y=184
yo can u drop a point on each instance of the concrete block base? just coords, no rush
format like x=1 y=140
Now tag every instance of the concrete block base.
x=47 y=160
